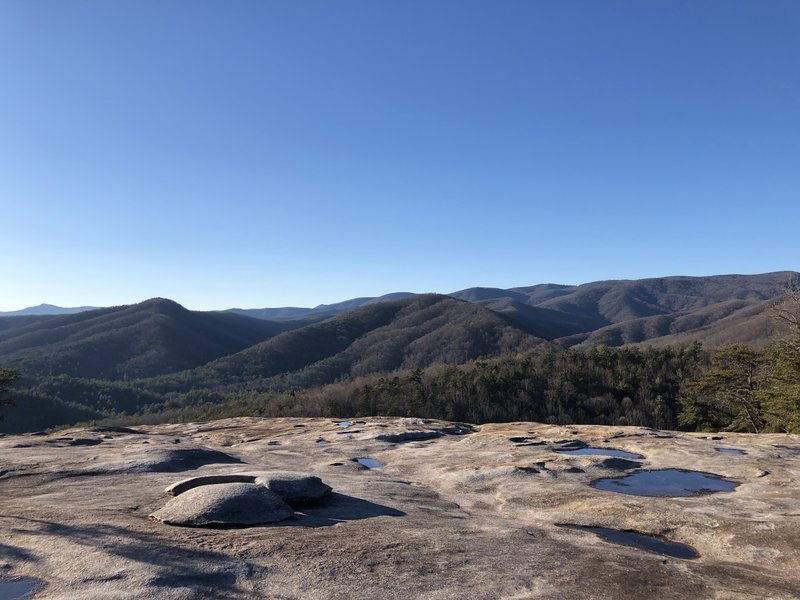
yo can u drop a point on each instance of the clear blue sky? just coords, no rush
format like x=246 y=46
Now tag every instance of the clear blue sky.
x=265 y=153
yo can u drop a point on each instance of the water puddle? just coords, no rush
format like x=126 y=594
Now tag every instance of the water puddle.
x=370 y=463
x=595 y=451
x=734 y=451
x=666 y=482
x=18 y=588
x=650 y=543
x=344 y=423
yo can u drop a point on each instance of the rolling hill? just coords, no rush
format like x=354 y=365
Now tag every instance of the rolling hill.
x=157 y=355
x=142 y=340
x=414 y=332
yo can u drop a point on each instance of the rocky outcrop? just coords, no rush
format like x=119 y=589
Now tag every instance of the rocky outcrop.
x=177 y=488
x=294 y=488
x=224 y=504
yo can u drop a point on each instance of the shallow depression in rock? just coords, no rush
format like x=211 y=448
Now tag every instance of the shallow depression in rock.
x=344 y=423
x=666 y=482
x=18 y=588
x=650 y=543
x=734 y=451
x=370 y=463
x=596 y=451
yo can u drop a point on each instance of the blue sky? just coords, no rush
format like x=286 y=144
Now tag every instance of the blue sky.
x=259 y=153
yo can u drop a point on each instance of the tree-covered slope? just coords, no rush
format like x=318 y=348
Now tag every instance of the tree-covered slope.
x=142 y=340
x=414 y=332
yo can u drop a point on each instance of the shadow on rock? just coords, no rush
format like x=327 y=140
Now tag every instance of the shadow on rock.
x=199 y=573
x=338 y=508
x=13 y=553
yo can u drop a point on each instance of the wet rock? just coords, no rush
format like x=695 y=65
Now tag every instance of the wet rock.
x=530 y=470
x=224 y=504
x=458 y=429
x=409 y=436
x=111 y=429
x=294 y=488
x=571 y=444
x=619 y=464
x=85 y=442
x=185 y=485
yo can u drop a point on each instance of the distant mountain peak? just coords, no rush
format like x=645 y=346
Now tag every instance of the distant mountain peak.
x=46 y=310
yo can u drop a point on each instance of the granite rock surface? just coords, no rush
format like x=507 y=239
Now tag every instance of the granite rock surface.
x=456 y=512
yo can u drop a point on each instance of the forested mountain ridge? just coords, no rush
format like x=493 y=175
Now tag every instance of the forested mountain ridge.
x=642 y=311
x=142 y=340
x=322 y=311
x=157 y=355
x=159 y=336
x=415 y=332
x=587 y=313
x=46 y=309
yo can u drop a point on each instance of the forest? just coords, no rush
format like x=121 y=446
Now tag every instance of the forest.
x=734 y=388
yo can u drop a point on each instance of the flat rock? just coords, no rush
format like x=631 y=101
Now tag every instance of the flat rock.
x=409 y=436
x=430 y=524
x=224 y=504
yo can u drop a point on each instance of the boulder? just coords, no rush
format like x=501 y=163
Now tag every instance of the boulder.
x=224 y=504
x=184 y=485
x=294 y=488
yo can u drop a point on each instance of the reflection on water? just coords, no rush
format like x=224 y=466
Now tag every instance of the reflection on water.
x=666 y=482
x=370 y=463
x=601 y=452
x=735 y=451
x=641 y=541
x=18 y=588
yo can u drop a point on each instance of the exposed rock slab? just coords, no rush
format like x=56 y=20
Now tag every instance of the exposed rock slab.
x=439 y=516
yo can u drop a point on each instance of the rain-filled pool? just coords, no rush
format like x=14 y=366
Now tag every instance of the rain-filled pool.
x=734 y=451
x=370 y=463
x=17 y=589
x=666 y=482
x=650 y=543
x=591 y=450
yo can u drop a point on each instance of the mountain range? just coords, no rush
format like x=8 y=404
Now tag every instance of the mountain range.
x=159 y=336
x=101 y=361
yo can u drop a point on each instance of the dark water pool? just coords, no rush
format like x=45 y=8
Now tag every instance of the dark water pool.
x=370 y=463
x=601 y=452
x=735 y=451
x=18 y=589
x=650 y=543
x=666 y=482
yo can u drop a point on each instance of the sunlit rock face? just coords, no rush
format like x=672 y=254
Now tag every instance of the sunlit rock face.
x=224 y=504
x=283 y=508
